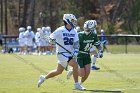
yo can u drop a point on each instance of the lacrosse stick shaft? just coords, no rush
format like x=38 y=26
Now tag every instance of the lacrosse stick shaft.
x=62 y=47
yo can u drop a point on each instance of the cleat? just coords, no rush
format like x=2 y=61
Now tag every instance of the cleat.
x=41 y=80
x=79 y=87
x=94 y=68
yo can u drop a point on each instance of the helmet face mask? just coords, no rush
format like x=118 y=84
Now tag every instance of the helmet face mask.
x=70 y=19
x=74 y=22
x=87 y=31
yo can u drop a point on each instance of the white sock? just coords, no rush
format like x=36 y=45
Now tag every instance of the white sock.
x=93 y=59
x=76 y=83
x=44 y=77
x=80 y=82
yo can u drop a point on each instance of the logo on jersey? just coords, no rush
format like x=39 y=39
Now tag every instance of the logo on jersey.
x=68 y=35
x=88 y=41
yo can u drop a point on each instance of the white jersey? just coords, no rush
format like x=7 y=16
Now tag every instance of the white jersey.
x=29 y=35
x=37 y=37
x=64 y=37
x=43 y=40
x=21 y=39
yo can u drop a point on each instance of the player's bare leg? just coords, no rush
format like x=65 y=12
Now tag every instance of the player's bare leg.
x=86 y=72
x=75 y=69
x=55 y=72
x=75 y=75
x=51 y=74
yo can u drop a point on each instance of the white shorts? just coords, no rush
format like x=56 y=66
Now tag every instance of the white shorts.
x=29 y=43
x=43 y=42
x=21 y=44
x=63 y=60
x=37 y=43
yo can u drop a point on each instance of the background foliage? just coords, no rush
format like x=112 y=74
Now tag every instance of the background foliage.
x=115 y=16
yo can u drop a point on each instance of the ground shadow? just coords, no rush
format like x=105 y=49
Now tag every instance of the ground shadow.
x=94 y=91
x=107 y=91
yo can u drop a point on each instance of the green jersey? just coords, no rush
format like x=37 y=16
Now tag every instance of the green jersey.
x=86 y=42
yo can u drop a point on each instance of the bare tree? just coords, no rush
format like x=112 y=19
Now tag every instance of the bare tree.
x=6 y=21
x=1 y=3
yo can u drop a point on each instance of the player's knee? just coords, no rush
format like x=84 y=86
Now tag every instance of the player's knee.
x=82 y=74
x=75 y=67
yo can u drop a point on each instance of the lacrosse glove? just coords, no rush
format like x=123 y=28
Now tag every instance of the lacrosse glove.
x=100 y=54
x=75 y=53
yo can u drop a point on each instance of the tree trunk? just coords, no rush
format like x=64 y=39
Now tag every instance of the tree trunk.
x=25 y=13
x=31 y=13
x=1 y=2
x=6 y=21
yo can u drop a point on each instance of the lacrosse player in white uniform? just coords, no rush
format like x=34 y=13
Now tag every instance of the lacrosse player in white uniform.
x=43 y=43
x=67 y=47
x=21 y=40
x=48 y=45
x=37 y=40
x=29 y=35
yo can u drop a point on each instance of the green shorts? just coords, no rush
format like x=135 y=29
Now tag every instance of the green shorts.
x=82 y=61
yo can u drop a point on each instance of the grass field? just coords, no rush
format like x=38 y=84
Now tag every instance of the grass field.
x=124 y=48
x=119 y=73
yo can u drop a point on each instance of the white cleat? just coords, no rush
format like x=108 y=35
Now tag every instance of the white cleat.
x=41 y=80
x=69 y=74
x=79 y=87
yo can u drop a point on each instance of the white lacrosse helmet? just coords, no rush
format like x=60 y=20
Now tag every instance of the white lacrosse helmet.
x=29 y=27
x=38 y=29
x=70 y=19
x=78 y=29
x=89 y=26
x=48 y=29
x=21 y=29
x=43 y=28
x=102 y=30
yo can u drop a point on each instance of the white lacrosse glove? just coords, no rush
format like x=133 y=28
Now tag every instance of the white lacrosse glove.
x=75 y=53
x=52 y=41
x=100 y=54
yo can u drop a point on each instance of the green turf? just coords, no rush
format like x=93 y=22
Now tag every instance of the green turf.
x=120 y=73
x=124 y=49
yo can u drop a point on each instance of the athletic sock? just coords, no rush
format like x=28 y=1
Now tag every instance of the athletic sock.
x=80 y=82
x=93 y=60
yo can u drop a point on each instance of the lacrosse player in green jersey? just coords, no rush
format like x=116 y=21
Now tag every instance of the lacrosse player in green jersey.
x=87 y=39
x=93 y=52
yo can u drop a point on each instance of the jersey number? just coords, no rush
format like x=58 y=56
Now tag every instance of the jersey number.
x=68 y=41
x=88 y=47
